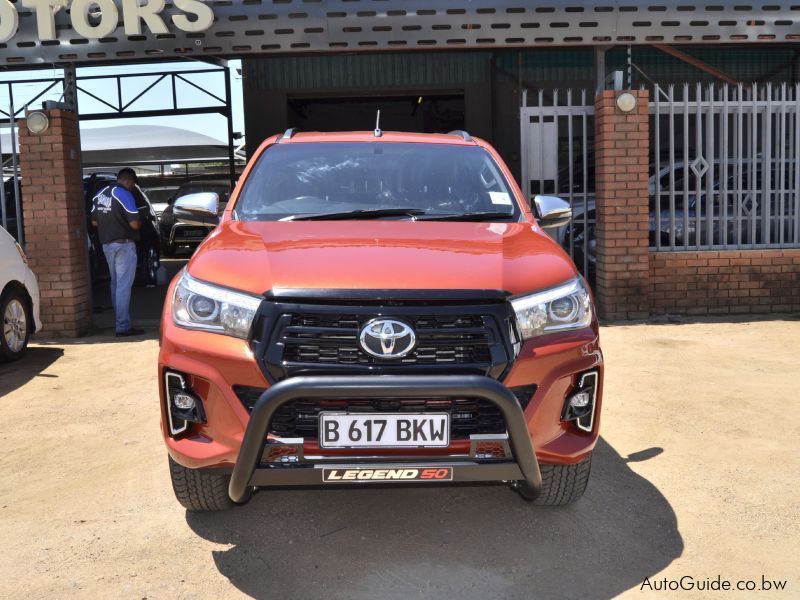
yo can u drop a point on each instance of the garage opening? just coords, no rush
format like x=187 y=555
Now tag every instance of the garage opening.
x=423 y=113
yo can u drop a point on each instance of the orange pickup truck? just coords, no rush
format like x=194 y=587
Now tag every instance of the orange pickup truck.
x=379 y=307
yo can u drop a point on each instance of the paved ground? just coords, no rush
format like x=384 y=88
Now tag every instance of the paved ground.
x=696 y=475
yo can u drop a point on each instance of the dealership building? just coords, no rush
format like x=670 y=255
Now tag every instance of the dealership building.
x=673 y=128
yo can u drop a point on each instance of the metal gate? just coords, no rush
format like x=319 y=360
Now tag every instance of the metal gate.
x=725 y=167
x=557 y=151
x=112 y=96
x=15 y=97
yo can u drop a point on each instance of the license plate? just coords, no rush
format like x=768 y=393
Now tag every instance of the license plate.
x=345 y=430
x=193 y=233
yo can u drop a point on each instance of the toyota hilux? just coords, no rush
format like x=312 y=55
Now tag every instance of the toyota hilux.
x=378 y=308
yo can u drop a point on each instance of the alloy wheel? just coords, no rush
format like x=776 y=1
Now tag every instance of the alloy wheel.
x=153 y=263
x=15 y=326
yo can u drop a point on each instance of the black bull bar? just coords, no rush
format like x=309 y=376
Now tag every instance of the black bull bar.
x=524 y=468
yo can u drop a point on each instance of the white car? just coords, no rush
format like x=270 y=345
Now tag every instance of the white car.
x=19 y=299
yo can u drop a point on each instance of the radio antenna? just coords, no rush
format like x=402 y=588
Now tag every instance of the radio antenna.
x=378 y=132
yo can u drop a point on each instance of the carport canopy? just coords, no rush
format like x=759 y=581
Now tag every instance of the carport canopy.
x=143 y=144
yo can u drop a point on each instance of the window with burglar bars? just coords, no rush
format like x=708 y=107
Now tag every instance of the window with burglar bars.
x=725 y=167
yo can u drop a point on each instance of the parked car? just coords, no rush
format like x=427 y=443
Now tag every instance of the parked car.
x=148 y=246
x=19 y=299
x=160 y=197
x=181 y=228
x=379 y=309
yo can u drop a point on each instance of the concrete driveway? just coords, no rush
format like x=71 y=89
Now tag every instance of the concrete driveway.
x=696 y=475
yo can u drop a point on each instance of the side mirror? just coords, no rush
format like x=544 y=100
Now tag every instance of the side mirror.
x=552 y=211
x=204 y=204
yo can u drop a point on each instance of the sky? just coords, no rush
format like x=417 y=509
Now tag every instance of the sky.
x=159 y=97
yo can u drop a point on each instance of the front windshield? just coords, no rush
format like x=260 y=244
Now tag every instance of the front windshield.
x=160 y=195
x=306 y=179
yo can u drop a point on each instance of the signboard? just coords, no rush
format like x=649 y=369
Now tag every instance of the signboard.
x=98 y=19
x=60 y=31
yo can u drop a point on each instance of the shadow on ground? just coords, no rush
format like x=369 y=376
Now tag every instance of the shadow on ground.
x=465 y=542
x=36 y=360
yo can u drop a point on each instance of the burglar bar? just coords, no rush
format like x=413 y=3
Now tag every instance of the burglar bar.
x=725 y=167
x=570 y=150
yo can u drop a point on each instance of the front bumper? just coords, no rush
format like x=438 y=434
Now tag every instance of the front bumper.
x=215 y=365
x=248 y=472
x=32 y=285
x=178 y=234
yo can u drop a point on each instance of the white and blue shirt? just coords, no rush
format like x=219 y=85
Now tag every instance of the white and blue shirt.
x=114 y=209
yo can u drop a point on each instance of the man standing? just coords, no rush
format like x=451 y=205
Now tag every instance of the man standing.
x=116 y=217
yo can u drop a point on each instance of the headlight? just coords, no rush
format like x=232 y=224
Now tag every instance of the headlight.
x=568 y=306
x=199 y=305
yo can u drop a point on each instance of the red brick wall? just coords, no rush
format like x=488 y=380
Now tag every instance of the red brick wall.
x=55 y=223
x=633 y=282
x=725 y=282
x=621 y=172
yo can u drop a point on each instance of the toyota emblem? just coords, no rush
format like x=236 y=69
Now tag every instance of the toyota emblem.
x=387 y=338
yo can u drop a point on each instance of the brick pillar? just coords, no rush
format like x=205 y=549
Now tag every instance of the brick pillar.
x=55 y=223
x=621 y=170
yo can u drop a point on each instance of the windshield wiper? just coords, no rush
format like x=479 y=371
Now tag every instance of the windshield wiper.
x=365 y=213
x=469 y=216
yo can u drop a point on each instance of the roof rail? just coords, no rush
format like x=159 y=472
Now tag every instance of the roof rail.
x=462 y=134
x=287 y=135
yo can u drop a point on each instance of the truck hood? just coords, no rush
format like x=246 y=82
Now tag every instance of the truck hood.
x=382 y=255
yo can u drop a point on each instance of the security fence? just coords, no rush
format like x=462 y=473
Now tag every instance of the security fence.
x=725 y=167
x=557 y=151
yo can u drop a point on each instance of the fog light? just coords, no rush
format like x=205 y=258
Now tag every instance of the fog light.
x=580 y=400
x=579 y=406
x=183 y=407
x=183 y=401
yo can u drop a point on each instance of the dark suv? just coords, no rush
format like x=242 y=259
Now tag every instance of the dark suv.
x=179 y=228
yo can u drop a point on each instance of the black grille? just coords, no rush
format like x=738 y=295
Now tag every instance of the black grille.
x=322 y=339
x=301 y=417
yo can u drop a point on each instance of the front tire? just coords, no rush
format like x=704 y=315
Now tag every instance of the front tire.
x=16 y=318
x=152 y=264
x=148 y=266
x=561 y=484
x=199 y=491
